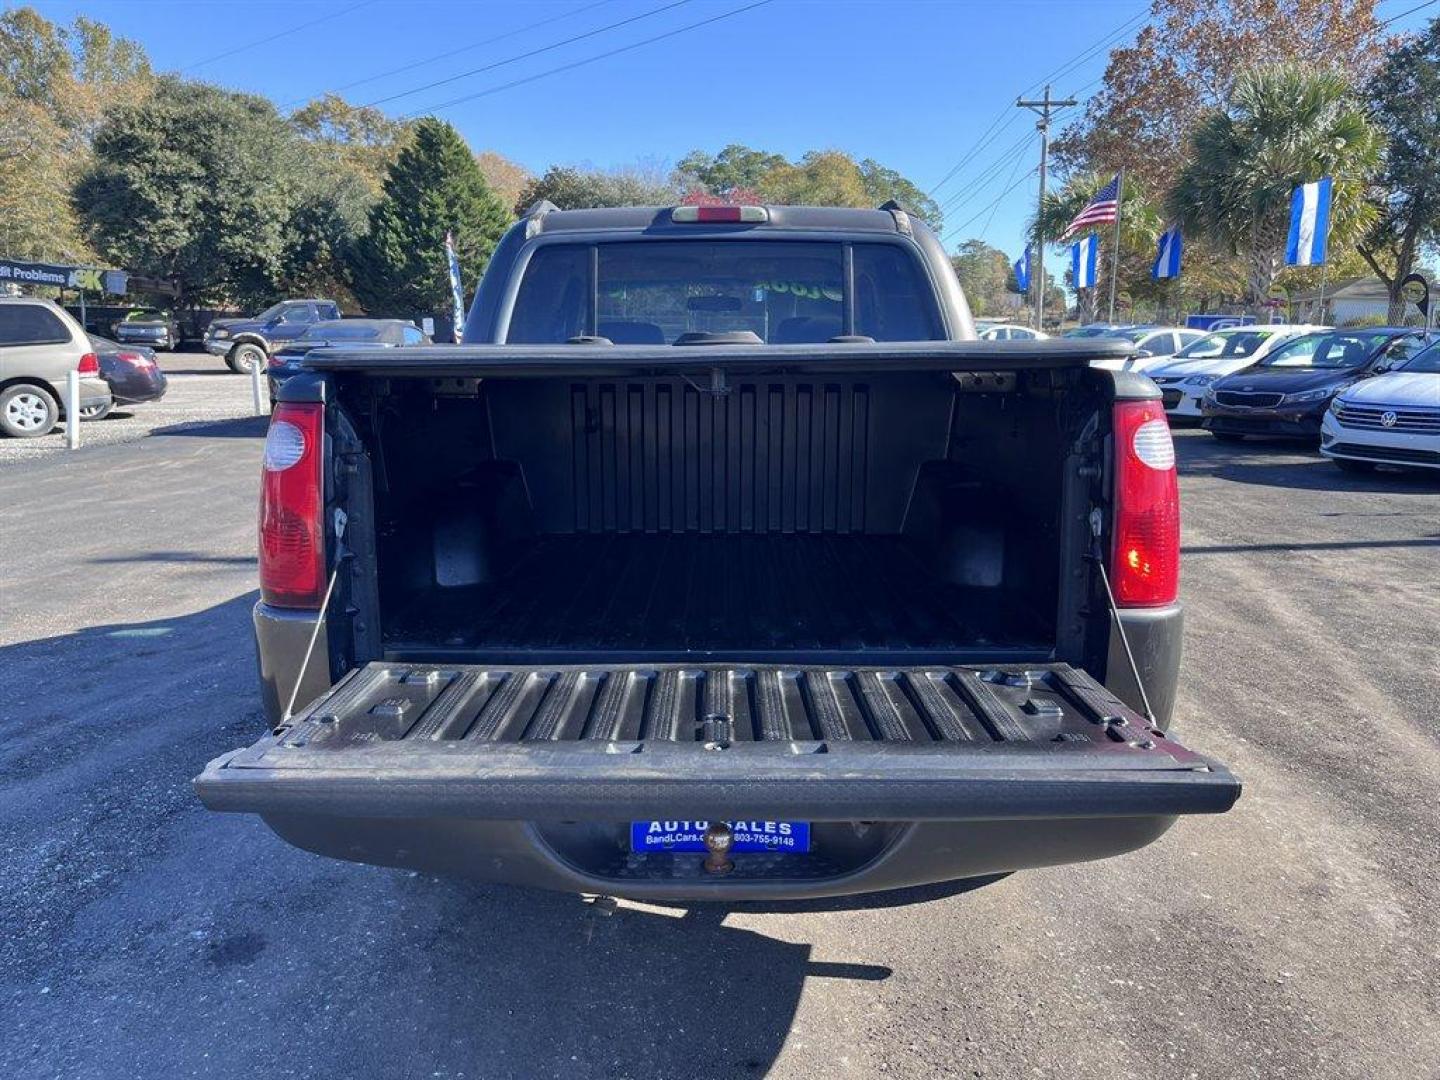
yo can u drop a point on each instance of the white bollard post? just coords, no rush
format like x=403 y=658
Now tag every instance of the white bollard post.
x=72 y=410
x=257 y=375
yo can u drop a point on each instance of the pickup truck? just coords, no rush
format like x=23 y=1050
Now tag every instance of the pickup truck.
x=719 y=561
x=246 y=342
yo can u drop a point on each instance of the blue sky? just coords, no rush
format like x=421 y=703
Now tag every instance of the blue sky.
x=915 y=84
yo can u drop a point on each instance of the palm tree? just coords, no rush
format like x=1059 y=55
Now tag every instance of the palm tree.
x=1282 y=126
x=1140 y=227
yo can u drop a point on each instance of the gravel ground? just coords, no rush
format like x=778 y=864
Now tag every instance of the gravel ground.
x=1295 y=937
x=201 y=390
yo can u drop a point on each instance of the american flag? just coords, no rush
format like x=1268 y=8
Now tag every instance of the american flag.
x=1098 y=211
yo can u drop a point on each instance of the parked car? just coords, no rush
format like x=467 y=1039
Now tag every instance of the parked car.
x=1286 y=394
x=1009 y=332
x=131 y=373
x=1094 y=330
x=245 y=343
x=1183 y=379
x=1392 y=419
x=719 y=562
x=1152 y=345
x=40 y=344
x=351 y=333
x=153 y=327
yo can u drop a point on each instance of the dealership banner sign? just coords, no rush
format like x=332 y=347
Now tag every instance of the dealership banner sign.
x=89 y=278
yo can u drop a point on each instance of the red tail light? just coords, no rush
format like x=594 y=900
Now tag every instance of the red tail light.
x=89 y=364
x=1145 y=562
x=135 y=359
x=292 y=534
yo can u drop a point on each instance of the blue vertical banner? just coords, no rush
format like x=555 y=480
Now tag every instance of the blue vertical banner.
x=1084 y=259
x=1309 y=224
x=1022 y=271
x=1168 y=254
x=457 y=292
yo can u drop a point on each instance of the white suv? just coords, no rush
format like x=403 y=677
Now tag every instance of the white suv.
x=39 y=344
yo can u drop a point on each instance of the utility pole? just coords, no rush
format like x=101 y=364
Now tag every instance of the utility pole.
x=1043 y=109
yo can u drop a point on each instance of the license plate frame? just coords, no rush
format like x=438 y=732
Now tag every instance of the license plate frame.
x=750 y=836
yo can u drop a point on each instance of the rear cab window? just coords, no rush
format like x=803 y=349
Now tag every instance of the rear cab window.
x=31 y=324
x=650 y=292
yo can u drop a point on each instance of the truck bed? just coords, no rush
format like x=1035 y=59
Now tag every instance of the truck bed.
x=671 y=594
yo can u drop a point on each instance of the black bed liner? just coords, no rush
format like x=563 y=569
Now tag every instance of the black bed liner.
x=611 y=742
x=607 y=359
x=654 y=596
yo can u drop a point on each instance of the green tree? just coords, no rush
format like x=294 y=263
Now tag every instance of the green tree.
x=734 y=168
x=820 y=178
x=572 y=187
x=55 y=81
x=883 y=183
x=195 y=185
x=986 y=276
x=1282 y=126
x=434 y=187
x=1403 y=97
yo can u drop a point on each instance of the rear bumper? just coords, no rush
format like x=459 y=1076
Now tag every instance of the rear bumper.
x=1302 y=422
x=905 y=854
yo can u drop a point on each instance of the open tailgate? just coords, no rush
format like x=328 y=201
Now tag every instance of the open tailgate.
x=584 y=742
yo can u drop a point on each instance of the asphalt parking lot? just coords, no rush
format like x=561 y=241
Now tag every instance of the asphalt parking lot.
x=139 y=935
x=201 y=390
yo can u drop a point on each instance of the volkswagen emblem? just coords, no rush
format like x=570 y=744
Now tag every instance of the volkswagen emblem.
x=1388 y=418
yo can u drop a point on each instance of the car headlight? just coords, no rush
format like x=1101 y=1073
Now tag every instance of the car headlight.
x=1200 y=380
x=222 y=332
x=1308 y=395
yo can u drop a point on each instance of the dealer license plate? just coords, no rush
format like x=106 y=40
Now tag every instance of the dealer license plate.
x=792 y=837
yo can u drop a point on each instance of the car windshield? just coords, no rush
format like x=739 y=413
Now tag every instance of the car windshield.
x=1335 y=350
x=341 y=331
x=1226 y=344
x=652 y=292
x=1425 y=362
x=145 y=316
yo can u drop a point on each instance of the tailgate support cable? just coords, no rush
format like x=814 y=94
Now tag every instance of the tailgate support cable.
x=1095 y=525
x=340 y=520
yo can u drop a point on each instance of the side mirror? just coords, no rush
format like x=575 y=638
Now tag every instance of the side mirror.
x=1144 y=354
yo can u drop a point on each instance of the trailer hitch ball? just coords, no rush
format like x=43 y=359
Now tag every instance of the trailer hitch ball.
x=718 y=841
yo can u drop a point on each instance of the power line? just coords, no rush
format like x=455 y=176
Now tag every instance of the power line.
x=527 y=55
x=276 y=36
x=973 y=190
x=986 y=138
x=998 y=199
x=452 y=52
x=587 y=60
x=995 y=207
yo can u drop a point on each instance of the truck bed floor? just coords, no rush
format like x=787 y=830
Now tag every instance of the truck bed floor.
x=695 y=592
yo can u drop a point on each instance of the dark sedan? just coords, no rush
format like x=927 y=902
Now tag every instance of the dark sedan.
x=1286 y=394
x=130 y=371
x=352 y=333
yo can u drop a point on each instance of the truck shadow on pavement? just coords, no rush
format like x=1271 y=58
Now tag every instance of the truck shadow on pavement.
x=155 y=909
x=242 y=427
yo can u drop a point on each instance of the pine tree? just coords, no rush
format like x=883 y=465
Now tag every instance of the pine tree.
x=434 y=187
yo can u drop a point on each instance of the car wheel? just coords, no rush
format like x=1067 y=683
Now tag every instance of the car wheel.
x=245 y=357
x=1228 y=436
x=26 y=411
x=97 y=412
x=1350 y=465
